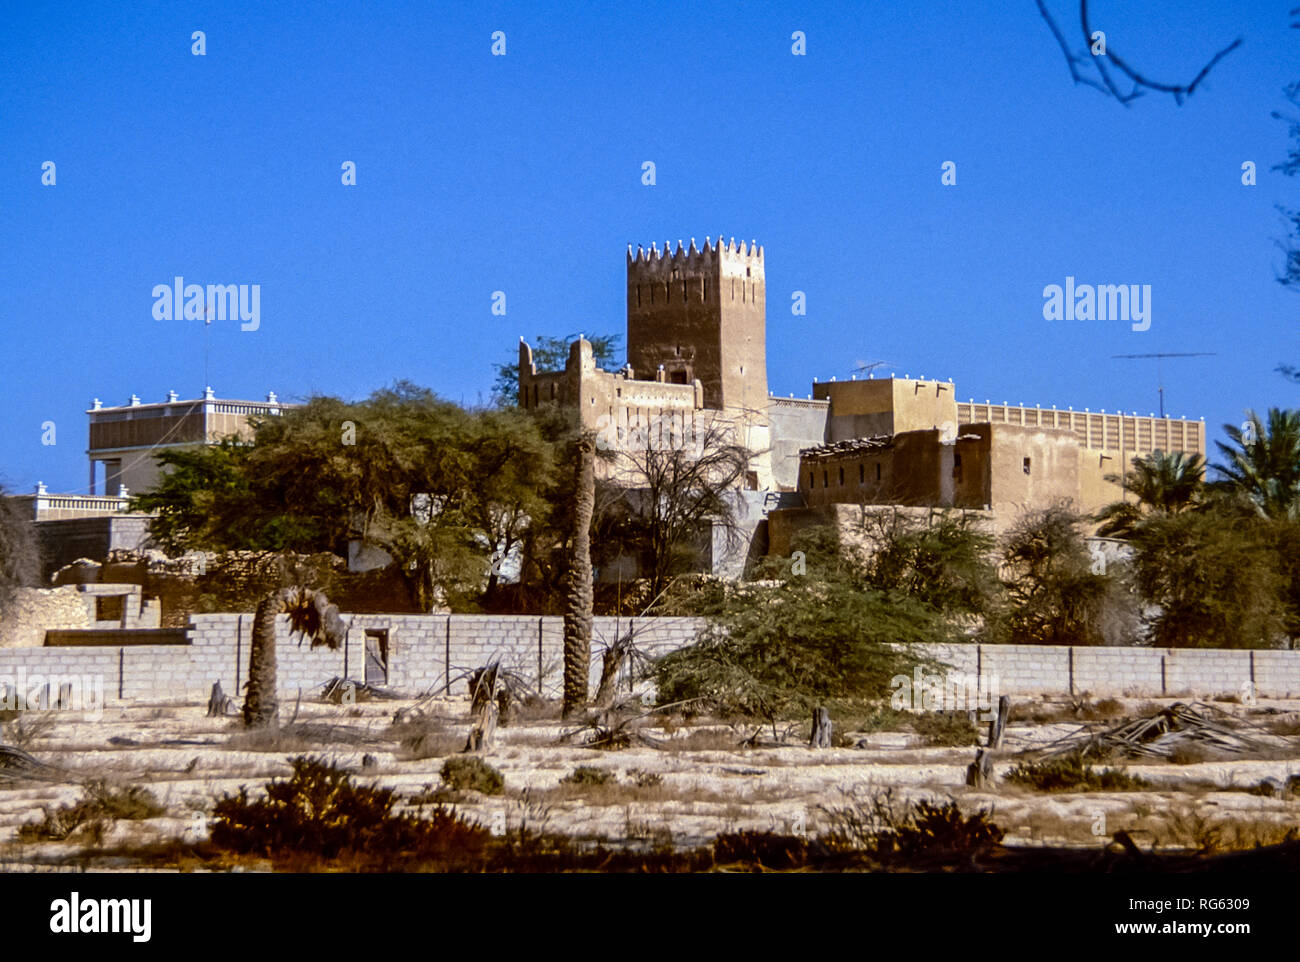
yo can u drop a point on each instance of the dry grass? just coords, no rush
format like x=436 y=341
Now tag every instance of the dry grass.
x=705 y=740
x=1286 y=725
x=425 y=738
x=1186 y=828
x=296 y=738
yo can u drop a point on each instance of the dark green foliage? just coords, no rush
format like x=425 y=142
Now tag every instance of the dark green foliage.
x=1055 y=596
x=1222 y=579
x=945 y=728
x=772 y=651
x=318 y=812
x=1161 y=483
x=1263 y=466
x=589 y=775
x=943 y=561
x=1070 y=773
x=838 y=633
x=442 y=490
x=471 y=773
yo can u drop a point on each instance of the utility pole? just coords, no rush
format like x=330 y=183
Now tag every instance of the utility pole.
x=1160 y=381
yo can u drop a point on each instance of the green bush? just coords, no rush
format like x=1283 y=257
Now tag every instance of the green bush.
x=1070 y=773
x=588 y=775
x=466 y=773
x=945 y=728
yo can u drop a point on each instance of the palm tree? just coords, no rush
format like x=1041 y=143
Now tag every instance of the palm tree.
x=311 y=616
x=578 y=595
x=1163 y=483
x=1263 y=463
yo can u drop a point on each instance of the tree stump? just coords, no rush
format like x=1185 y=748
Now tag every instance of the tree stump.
x=998 y=726
x=220 y=704
x=611 y=662
x=483 y=707
x=979 y=774
x=821 y=729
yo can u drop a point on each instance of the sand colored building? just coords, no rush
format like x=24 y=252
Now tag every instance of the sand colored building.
x=696 y=337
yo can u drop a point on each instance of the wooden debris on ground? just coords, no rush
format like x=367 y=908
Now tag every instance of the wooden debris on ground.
x=1161 y=734
x=17 y=764
x=345 y=691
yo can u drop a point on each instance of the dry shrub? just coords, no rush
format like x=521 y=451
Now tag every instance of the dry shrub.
x=292 y=738
x=761 y=849
x=101 y=804
x=890 y=831
x=425 y=738
x=319 y=815
x=705 y=740
x=1190 y=753
x=1287 y=725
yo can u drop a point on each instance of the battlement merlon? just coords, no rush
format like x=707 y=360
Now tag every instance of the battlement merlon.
x=526 y=358
x=724 y=257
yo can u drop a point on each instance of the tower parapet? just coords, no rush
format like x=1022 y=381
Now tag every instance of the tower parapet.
x=700 y=312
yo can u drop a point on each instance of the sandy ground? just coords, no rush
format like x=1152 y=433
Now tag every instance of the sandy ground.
x=705 y=784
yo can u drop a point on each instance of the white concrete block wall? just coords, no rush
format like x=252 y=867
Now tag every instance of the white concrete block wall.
x=419 y=646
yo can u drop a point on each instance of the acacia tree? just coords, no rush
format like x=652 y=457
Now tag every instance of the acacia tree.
x=1055 y=596
x=443 y=491
x=1215 y=577
x=667 y=492
x=774 y=648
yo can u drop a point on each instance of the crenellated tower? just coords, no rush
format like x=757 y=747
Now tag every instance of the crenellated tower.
x=701 y=314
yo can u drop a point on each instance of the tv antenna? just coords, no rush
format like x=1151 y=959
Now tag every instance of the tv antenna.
x=863 y=367
x=1160 y=380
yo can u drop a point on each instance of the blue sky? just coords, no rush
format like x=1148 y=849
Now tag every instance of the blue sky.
x=522 y=173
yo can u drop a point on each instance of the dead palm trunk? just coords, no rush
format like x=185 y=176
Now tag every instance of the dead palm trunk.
x=310 y=615
x=578 y=588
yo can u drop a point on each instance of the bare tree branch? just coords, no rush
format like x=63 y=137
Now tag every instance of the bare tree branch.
x=1107 y=85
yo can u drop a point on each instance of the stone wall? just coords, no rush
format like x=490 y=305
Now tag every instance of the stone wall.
x=435 y=652
x=32 y=610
